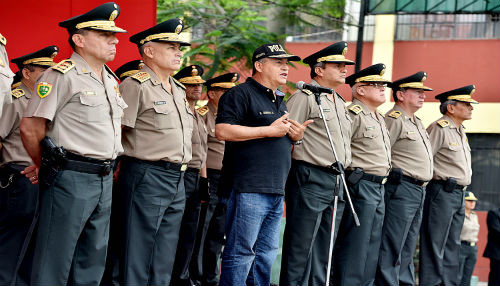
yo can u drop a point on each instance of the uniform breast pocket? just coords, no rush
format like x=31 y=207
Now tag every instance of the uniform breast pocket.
x=371 y=134
x=453 y=146
x=411 y=136
x=165 y=117
x=94 y=108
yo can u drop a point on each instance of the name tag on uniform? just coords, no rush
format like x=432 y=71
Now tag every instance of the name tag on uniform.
x=326 y=109
x=266 y=112
x=89 y=92
x=160 y=102
x=411 y=132
x=453 y=144
x=370 y=127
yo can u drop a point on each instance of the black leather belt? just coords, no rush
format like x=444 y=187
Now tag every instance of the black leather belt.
x=216 y=171
x=369 y=177
x=468 y=243
x=457 y=186
x=163 y=164
x=414 y=181
x=193 y=170
x=324 y=169
x=15 y=167
x=87 y=165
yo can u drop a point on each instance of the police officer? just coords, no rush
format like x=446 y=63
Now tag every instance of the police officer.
x=212 y=219
x=6 y=74
x=411 y=157
x=311 y=183
x=18 y=196
x=77 y=105
x=190 y=77
x=357 y=248
x=443 y=214
x=129 y=69
x=157 y=132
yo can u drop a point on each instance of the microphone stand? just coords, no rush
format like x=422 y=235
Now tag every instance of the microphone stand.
x=338 y=167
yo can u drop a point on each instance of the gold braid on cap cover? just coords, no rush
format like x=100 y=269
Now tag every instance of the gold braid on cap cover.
x=375 y=78
x=39 y=60
x=163 y=36
x=333 y=58
x=99 y=23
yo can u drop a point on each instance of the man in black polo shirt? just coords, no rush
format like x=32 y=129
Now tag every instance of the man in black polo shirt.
x=254 y=116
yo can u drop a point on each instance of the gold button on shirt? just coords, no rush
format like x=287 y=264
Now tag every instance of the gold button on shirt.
x=199 y=143
x=410 y=145
x=158 y=124
x=84 y=112
x=370 y=144
x=6 y=77
x=470 y=230
x=215 y=152
x=12 y=150
x=452 y=158
x=316 y=148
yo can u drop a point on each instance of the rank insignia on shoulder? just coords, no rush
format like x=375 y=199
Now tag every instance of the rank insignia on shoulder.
x=64 y=66
x=141 y=76
x=178 y=83
x=308 y=92
x=17 y=93
x=395 y=114
x=443 y=123
x=356 y=109
x=43 y=89
x=3 y=40
x=202 y=110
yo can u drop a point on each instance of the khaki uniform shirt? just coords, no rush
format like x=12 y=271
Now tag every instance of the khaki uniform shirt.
x=12 y=147
x=84 y=112
x=451 y=151
x=410 y=146
x=199 y=142
x=370 y=144
x=160 y=123
x=470 y=230
x=6 y=77
x=315 y=148
x=215 y=147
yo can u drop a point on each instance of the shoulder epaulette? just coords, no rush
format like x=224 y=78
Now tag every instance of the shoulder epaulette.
x=17 y=93
x=443 y=123
x=356 y=109
x=179 y=84
x=202 y=110
x=141 y=76
x=64 y=66
x=308 y=92
x=111 y=72
x=3 y=40
x=341 y=97
x=395 y=114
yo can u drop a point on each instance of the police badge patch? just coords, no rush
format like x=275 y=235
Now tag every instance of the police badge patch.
x=43 y=89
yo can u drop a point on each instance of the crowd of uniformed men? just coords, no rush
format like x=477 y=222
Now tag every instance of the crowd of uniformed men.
x=64 y=125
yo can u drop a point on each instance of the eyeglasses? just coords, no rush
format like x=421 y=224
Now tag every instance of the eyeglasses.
x=376 y=84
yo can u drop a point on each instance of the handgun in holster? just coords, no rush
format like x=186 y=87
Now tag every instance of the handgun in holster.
x=395 y=176
x=53 y=158
x=450 y=185
x=355 y=176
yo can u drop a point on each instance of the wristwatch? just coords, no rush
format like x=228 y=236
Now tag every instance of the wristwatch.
x=298 y=142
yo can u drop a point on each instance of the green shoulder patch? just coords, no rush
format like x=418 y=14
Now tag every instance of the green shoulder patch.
x=395 y=114
x=111 y=72
x=43 y=89
x=443 y=123
x=17 y=93
x=202 y=110
x=178 y=83
x=141 y=76
x=64 y=66
x=3 y=40
x=356 y=109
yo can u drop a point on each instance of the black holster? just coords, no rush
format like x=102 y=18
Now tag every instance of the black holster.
x=450 y=185
x=395 y=176
x=53 y=158
x=355 y=176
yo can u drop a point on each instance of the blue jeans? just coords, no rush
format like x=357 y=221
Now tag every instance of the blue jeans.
x=252 y=232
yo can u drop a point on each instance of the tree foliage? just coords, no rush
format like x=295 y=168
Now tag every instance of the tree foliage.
x=226 y=32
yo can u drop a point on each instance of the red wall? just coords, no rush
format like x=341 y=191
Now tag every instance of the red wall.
x=30 y=25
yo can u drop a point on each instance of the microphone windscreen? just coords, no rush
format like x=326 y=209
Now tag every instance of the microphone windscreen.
x=300 y=85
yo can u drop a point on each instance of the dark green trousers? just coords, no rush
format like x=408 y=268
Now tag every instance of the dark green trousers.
x=309 y=201
x=73 y=230
x=357 y=248
x=442 y=222
x=403 y=216
x=154 y=199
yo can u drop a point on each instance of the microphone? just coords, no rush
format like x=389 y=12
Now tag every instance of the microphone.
x=316 y=89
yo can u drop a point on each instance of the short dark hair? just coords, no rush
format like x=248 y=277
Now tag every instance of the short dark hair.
x=313 y=69
x=443 y=108
x=141 y=51
x=70 y=39
x=29 y=67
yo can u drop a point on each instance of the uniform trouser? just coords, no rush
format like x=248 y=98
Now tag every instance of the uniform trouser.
x=153 y=199
x=73 y=230
x=442 y=222
x=187 y=234
x=18 y=201
x=210 y=236
x=357 y=248
x=494 y=275
x=403 y=215
x=468 y=257
x=309 y=201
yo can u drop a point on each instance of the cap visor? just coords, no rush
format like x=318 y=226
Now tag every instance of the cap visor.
x=292 y=58
x=347 y=62
x=470 y=100
x=182 y=43
x=108 y=29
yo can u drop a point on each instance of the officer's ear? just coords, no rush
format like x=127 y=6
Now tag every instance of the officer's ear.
x=148 y=50
x=399 y=95
x=26 y=73
x=319 y=71
x=78 y=40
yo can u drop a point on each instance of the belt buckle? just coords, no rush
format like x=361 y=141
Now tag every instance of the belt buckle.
x=425 y=184
x=106 y=169
x=464 y=188
x=472 y=244
x=384 y=181
x=184 y=167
